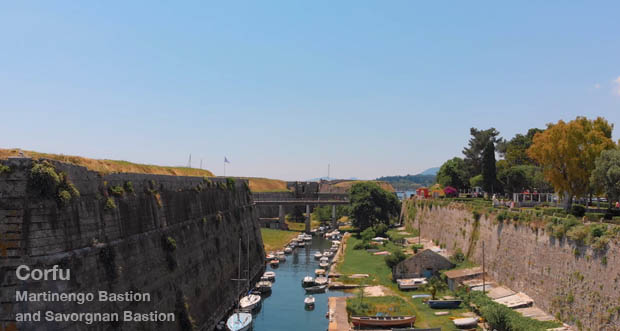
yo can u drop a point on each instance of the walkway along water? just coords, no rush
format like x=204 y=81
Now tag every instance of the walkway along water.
x=284 y=309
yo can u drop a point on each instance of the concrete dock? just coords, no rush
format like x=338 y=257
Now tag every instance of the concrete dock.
x=337 y=314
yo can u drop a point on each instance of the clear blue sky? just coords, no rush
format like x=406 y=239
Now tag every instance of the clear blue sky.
x=282 y=88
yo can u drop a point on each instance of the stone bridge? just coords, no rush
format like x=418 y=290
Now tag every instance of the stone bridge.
x=316 y=199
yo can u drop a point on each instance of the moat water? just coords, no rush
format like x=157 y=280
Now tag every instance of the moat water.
x=284 y=309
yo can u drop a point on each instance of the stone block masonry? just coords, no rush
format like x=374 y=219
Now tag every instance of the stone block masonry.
x=571 y=281
x=176 y=238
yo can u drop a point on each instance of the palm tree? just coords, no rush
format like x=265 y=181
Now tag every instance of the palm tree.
x=435 y=285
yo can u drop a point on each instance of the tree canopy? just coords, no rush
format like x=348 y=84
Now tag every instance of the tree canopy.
x=477 y=144
x=453 y=173
x=489 y=172
x=567 y=152
x=606 y=173
x=372 y=205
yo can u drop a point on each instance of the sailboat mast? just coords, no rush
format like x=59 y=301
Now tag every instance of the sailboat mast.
x=248 y=255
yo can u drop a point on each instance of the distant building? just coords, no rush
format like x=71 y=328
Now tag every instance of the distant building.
x=424 y=264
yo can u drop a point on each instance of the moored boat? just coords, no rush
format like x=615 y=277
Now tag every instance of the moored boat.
x=288 y=250
x=318 y=255
x=383 y=320
x=309 y=301
x=443 y=304
x=316 y=289
x=269 y=275
x=324 y=265
x=307 y=281
x=321 y=280
x=319 y=272
x=263 y=286
x=239 y=321
x=250 y=302
x=301 y=244
x=274 y=263
x=280 y=256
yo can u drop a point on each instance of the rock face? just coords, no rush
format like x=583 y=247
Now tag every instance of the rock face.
x=574 y=282
x=175 y=238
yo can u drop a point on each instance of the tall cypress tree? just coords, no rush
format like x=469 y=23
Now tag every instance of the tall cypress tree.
x=489 y=172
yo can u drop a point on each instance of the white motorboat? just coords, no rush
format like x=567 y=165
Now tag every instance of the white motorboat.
x=334 y=248
x=301 y=244
x=239 y=321
x=468 y=322
x=307 y=281
x=324 y=265
x=318 y=255
x=274 y=263
x=321 y=280
x=270 y=257
x=264 y=286
x=324 y=259
x=250 y=302
x=288 y=250
x=280 y=256
x=307 y=237
x=328 y=254
x=319 y=272
x=309 y=301
x=269 y=275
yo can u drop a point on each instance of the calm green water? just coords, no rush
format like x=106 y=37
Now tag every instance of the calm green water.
x=284 y=309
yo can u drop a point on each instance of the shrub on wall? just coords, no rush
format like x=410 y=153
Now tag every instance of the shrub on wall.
x=46 y=181
x=109 y=204
x=116 y=190
x=4 y=169
x=578 y=210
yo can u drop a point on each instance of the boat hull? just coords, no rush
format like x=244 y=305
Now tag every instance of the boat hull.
x=383 y=320
x=239 y=322
x=443 y=304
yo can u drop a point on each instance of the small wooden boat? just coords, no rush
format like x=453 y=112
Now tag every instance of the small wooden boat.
x=263 y=286
x=307 y=281
x=324 y=265
x=316 y=289
x=322 y=280
x=250 y=302
x=319 y=272
x=288 y=250
x=443 y=304
x=239 y=321
x=318 y=255
x=464 y=323
x=383 y=320
x=269 y=275
x=309 y=301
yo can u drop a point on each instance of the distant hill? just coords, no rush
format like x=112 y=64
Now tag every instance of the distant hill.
x=430 y=171
x=412 y=182
x=318 y=179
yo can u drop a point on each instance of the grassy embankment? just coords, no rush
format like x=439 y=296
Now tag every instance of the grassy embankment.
x=110 y=166
x=276 y=239
x=363 y=262
x=267 y=185
x=346 y=185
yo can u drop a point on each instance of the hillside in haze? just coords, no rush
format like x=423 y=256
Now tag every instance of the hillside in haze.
x=412 y=182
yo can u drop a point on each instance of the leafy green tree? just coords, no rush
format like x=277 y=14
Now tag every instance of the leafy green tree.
x=395 y=258
x=435 y=285
x=476 y=145
x=371 y=205
x=606 y=174
x=453 y=173
x=514 y=151
x=475 y=181
x=567 y=152
x=489 y=172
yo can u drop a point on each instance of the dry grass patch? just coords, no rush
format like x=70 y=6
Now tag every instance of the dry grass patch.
x=110 y=166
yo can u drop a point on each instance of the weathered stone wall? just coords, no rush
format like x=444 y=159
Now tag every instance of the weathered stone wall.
x=126 y=248
x=575 y=282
